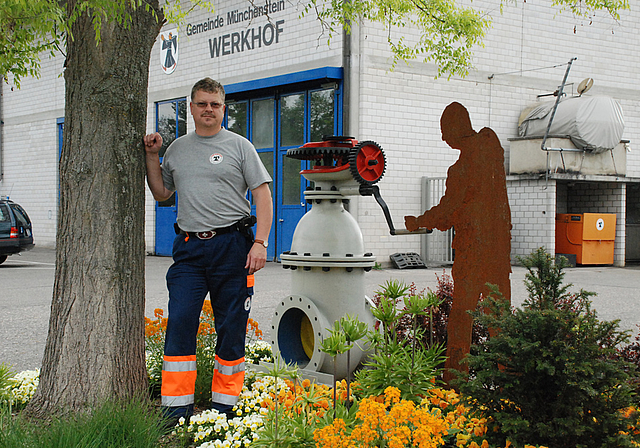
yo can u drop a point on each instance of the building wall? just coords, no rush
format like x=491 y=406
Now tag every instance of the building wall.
x=33 y=178
x=525 y=55
x=533 y=212
x=30 y=146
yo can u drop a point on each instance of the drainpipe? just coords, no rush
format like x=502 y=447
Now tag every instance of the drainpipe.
x=351 y=92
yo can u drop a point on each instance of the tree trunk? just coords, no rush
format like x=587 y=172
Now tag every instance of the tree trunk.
x=95 y=346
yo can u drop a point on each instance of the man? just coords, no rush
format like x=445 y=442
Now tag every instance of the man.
x=476 y=205
x=214 y=252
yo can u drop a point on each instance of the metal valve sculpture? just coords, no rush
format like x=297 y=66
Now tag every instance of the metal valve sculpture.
x=327 y=257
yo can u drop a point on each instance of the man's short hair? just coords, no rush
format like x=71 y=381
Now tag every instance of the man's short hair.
x=208 y=85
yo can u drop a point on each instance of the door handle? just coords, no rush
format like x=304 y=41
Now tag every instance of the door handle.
x=281 y=220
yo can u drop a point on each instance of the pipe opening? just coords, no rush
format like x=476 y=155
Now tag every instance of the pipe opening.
x=296 y=340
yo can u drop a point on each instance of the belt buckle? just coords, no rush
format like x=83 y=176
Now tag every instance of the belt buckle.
x=206 y=235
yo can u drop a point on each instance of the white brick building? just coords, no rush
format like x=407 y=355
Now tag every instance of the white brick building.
x=286 y=85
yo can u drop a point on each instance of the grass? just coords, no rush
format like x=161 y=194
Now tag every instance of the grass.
x=133 y=424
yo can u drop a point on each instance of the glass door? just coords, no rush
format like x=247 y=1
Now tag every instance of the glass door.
x=263 y=137
x=275 y=123
x=171 y=124
x=290 y=195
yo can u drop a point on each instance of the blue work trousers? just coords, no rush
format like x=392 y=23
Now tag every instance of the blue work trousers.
x=216 y=267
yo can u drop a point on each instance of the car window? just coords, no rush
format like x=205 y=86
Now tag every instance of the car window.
x=21 y=215
x=4 y=213
x=5 y=221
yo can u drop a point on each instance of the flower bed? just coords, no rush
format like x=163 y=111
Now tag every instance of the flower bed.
x=440 y=420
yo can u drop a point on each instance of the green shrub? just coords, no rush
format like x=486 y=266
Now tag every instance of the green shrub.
x=631 y=354
x=550 y=375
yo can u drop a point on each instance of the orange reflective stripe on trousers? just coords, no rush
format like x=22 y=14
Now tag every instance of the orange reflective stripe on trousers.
x=178 y=380
x=228 y=377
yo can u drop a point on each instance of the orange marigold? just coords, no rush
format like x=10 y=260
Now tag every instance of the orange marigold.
x=207 y=309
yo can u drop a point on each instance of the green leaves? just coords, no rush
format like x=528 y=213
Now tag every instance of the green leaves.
x=353 y=329
x=588 y=8
x=550 y=375
x=448 y=32
x=336 y=343
x=5 y=384
x=414 y=373
x=386 y=311
x=28 y=28
x=421 y=304
x=393 y=289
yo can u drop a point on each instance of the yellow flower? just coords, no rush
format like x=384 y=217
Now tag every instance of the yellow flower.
x=462 y=439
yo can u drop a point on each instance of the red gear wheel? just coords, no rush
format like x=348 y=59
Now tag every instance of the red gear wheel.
x=367 y=162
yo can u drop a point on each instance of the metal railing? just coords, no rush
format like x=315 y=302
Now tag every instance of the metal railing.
x=435 y=247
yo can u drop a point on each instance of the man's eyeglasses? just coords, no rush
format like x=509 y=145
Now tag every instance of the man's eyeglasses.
x=214 y=105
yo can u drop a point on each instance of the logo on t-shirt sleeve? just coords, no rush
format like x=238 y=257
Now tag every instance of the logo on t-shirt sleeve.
x=215 y=158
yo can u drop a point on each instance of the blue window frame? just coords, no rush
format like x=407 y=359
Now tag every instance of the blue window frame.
x=60 y=124
x=171 y=123
x=280 y=113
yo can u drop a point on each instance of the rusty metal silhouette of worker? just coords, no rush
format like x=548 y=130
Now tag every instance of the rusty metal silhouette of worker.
x=475 y=203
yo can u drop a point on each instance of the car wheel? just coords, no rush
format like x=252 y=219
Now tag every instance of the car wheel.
x=2 y=258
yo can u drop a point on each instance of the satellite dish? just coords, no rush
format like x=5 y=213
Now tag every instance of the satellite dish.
x=585 y=85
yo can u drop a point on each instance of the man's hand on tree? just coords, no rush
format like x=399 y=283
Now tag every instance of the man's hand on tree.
x=152 y=143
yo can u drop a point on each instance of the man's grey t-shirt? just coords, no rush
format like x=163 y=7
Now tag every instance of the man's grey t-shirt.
x=212 y=176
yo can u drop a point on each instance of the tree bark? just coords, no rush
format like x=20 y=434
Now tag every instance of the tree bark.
x=95 y=345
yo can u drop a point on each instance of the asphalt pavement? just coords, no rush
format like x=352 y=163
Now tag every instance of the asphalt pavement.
x=26 y=285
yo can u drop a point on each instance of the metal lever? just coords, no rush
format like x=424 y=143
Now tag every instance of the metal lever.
x=373 y=190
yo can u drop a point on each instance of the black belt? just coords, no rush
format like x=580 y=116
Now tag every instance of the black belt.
x=240 y=226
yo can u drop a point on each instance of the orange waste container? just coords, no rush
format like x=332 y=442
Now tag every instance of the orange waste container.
x=590 y=236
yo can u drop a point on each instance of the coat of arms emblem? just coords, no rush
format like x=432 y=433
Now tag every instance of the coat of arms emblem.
x=169 y=50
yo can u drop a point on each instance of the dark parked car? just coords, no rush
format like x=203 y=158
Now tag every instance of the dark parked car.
x=15 y=229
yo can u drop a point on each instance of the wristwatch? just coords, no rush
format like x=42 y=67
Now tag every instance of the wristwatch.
x=261 y=242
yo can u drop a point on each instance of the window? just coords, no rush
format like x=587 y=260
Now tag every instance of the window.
x=21 y=215
x=171 y=124
x=237 y=118
x=172 y=121
x=4 y=213
x=321 y=114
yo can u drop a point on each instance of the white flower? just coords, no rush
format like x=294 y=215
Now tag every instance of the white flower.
x=22 y=386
